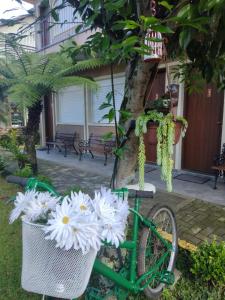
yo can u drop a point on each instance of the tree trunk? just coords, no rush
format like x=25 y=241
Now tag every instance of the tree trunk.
x=31 y=133
x=139 y=76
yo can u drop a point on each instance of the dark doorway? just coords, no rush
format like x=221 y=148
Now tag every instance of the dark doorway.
x=204 y=113
x=48 y=113
x=157 y=90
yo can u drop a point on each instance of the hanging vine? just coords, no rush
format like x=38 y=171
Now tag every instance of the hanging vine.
x=165 y=141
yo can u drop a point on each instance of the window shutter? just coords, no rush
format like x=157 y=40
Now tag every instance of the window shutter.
x=71 y=105
x=100 y=96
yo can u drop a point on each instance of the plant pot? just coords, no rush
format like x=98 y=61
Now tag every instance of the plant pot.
x=151 y=135
x=51 y=271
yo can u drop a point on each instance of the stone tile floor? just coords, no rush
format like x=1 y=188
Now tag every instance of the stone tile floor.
x=197 y=220
x=96 y=166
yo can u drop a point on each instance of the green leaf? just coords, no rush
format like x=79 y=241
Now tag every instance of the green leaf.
x=107 y=136
x=166 y=5
x=55 y=15
x=104 y=105
x=121 y=130
x=111 y=115
x=125 y=115
x=161 y=29
x=185 y=38
x=149 y=20
x=127 y=24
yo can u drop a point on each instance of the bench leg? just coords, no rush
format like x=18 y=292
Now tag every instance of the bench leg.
x=80 y=156
x=92 y=155
x=216 y=178
x=48 y=149
x=65 y=153
x=106 y=157
x=75 y=150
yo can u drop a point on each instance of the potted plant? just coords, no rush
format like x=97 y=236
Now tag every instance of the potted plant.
x=157 y=125
x=61 y=237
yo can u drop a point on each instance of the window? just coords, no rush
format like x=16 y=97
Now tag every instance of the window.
x=71 y=105
x=100 y=96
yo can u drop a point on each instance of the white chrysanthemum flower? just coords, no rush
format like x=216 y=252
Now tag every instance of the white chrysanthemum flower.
x=60 y=224
x=86 y=233
x=104 y=211
x=21 y=203
x=114 y=232
x=39 y=207
x=81 y=203
x=73 y=230
x=122 y=209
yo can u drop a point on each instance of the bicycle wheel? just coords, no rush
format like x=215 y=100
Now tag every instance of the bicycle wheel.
x=151 y=248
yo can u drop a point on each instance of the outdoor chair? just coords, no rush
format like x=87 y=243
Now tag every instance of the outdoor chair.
x=219 y=166
x=64 y=141
x=97 y=144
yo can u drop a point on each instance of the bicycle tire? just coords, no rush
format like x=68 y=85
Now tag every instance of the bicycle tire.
x=154 y=291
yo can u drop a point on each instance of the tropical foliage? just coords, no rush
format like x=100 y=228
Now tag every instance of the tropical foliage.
x=28 y=77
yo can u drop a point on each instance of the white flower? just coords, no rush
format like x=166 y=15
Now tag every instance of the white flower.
x=104 y=211
x=60 y=224
x=122 y=209
x=21 y=203
x=71 y=229
x=114 y=232
x=40 y=206
x=81 y=203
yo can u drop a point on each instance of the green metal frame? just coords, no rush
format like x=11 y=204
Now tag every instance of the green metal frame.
x=132 y=282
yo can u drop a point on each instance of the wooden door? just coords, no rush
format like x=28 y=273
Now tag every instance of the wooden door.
x=204 y=113
x=157 y=90
x=48 y=113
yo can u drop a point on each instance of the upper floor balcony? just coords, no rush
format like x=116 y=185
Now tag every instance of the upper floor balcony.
x=50 y=33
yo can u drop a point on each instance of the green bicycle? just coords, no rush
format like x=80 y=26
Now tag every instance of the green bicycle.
x=152 y=248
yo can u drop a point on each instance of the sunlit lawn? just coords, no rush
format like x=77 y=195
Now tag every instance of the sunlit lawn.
x=10 y=249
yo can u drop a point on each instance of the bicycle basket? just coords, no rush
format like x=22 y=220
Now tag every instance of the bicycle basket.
x=52 y=271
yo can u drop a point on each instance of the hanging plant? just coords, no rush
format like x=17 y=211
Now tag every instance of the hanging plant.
x=165 y=142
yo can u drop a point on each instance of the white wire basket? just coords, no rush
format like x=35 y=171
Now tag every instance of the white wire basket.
x=51 y=271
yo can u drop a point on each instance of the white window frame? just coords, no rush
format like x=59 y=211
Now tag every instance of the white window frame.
x=57 y=107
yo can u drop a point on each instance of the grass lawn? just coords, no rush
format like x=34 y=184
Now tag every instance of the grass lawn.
x=10 y=249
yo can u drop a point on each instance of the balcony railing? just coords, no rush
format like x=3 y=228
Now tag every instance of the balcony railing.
x=51 y=32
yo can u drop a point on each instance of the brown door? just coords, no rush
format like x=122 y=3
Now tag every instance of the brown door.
x=157 y=90
x=204 y=113
x=48 y=118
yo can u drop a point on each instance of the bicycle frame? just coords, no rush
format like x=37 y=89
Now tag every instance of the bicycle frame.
x=134 y=283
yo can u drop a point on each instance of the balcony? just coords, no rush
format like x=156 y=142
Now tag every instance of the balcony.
x=50 y=33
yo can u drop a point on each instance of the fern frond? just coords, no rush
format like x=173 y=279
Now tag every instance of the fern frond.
x=83 y=65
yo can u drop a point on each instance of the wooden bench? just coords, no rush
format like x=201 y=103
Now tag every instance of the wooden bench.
x=64 y=141
x=96 y=143
x=219 y=166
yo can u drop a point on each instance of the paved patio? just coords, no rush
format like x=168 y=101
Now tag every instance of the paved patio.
x=197 y=220
x=96 y=166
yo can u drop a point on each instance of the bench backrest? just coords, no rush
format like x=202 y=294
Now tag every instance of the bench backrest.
x=66 y=137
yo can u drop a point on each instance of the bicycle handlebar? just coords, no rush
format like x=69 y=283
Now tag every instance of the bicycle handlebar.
x=17 y=180
x=140 y=194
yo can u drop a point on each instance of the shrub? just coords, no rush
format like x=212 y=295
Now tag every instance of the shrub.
x=12 y=143
x=2 y=164
x=186 y=289
x=24 y=172
x=208 y=263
